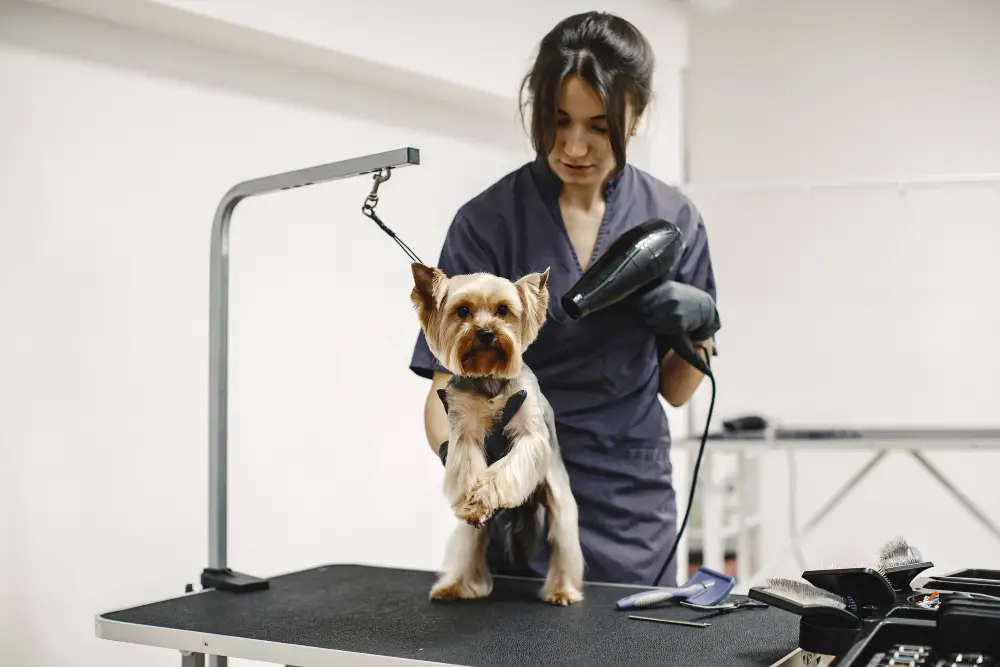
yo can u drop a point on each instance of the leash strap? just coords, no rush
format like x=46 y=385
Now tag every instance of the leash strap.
x=371 y=201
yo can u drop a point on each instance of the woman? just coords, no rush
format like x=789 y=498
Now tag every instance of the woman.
x=589 y=87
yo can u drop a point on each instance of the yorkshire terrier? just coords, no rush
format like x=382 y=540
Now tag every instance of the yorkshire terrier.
x=478 y=326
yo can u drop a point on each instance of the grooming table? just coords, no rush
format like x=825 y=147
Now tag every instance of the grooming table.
x=371 y=616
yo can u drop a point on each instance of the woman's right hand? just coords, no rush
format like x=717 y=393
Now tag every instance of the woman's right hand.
x=497 y=444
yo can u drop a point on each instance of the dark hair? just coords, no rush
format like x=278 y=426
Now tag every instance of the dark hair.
x=607 y=52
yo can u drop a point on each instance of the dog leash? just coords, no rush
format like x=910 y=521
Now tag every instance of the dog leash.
x=371 y=201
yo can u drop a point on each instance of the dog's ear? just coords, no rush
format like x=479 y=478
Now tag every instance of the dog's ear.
x=543 y=280
x=534 y=294
x=428 y=283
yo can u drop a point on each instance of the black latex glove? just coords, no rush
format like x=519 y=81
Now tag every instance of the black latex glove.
x=671 y=308
x=497 y=443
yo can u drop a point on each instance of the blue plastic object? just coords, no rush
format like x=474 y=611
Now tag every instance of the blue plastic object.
x=705 y=587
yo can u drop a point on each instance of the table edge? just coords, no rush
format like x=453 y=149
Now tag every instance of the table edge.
x=247 y=649
x=374 y=566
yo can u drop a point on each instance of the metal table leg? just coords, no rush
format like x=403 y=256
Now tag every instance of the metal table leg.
x=963 y=499
x=713 y=539
x=832 y=503
x=746 y=471
x=189 y=659
x=842 y=492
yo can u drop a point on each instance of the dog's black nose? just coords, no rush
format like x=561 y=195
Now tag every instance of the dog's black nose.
x=485 y=336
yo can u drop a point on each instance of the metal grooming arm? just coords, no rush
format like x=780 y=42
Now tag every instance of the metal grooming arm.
x=218 y=574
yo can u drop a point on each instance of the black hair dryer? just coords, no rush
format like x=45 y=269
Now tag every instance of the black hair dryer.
x=637 y=260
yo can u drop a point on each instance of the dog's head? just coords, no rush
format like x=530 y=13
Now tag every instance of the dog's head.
x=479 y=324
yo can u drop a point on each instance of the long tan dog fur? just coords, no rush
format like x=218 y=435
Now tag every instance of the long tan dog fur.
x=478 y=326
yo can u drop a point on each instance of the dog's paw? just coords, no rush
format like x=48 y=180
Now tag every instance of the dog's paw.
x=473 y=510
x=486 y=493
x=561 y=596
x=460 y=589
x=501 y=489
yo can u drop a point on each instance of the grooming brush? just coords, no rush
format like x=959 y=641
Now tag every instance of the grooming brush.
x=706 y=587
x=865 y=590
x=900 y=563
x=898 y=551
x=805 y=599
x=827 y=626
x=873 y=590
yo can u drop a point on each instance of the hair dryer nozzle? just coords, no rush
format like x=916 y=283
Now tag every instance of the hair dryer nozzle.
x=641 y=255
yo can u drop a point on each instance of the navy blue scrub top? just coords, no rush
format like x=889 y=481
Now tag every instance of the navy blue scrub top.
x=601 y=374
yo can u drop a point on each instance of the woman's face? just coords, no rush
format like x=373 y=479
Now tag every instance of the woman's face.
x=582 y=153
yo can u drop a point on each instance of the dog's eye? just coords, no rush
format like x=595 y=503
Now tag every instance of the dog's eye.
x=502 y=310
x=463 y=311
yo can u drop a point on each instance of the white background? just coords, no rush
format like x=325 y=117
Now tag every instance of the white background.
x=120 y=130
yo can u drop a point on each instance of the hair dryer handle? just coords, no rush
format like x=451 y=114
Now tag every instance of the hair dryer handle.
x=684 y=348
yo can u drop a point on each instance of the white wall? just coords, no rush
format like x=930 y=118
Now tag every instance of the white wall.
x=406 y=34
x=117 y=146
x=441 y=49
x=864 y=304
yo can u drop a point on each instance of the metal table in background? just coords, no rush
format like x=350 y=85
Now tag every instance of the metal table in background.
x=715 y=531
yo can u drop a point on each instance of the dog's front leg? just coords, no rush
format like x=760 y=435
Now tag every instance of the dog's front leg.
x=465 y=464
x=564 y=581
x=465 y=575
x=510 y=481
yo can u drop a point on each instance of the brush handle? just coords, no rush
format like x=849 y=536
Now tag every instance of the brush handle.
x=658 y=596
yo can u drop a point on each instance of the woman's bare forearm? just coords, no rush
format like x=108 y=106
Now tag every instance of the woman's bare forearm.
x=435 y=418
x=679 y=380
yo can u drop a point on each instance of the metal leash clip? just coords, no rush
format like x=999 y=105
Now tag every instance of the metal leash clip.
x=371 y=201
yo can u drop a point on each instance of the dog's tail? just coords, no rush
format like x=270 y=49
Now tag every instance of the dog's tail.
x=523 y=529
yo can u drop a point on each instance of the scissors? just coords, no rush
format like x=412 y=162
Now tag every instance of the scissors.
x=726 y=608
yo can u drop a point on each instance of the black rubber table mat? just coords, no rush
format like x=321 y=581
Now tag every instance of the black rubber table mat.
x=387 y=612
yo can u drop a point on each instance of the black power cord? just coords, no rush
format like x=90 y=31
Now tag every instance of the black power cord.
x=694 y=475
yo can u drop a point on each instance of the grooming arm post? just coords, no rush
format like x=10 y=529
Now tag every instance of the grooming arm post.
x=218 y=574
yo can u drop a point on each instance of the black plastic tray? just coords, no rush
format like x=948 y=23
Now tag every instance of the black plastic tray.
x=888 y=633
